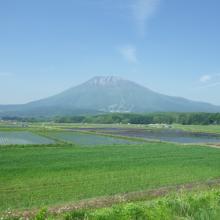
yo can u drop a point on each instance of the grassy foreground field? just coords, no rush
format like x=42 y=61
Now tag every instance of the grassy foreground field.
x=193 y=205
x=37 y=176
x=189 y=206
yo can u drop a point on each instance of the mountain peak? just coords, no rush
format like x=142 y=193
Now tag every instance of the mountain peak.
x=106 y=94
x=105 y=81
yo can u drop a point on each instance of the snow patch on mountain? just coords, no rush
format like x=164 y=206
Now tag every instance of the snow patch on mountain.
x=105 y=81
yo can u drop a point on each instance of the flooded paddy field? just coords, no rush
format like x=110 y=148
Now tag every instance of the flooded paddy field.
x=170 y=135
x=82 y=139
x=22 y=138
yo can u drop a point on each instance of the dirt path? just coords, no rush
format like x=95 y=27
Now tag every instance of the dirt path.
x=119 y=198
x=206 y=145
x=214 y=146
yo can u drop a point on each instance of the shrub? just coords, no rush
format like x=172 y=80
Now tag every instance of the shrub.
x=41 y=215
x=76 y=215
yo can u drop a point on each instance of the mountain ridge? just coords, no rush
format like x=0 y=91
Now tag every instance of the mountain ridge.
x=107 y=94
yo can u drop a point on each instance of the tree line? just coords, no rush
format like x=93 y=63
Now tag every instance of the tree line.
x=148 y=118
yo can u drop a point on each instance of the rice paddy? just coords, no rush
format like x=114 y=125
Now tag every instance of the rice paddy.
x=55 y=168
x=88 y=139
x=44 y=176
x=170 y=135
x=22 y=138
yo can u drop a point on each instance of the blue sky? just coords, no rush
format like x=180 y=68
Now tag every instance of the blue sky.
x=170 y=46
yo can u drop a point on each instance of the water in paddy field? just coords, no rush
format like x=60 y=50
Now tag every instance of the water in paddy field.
x=22 y=138
x=170 y=135
x=89 y=139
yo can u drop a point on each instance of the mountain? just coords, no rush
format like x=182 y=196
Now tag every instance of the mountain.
x=106 y=94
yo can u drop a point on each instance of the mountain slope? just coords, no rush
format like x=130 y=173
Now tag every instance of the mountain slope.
x=107 y=94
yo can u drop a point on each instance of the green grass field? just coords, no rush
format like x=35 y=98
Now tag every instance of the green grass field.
x=199 y=128
x=35 y=176
x=189 y=206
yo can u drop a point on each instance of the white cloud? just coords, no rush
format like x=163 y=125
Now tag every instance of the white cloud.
x=205 y=78
x=129 y=53
x=209 y=81
x=143 y=10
